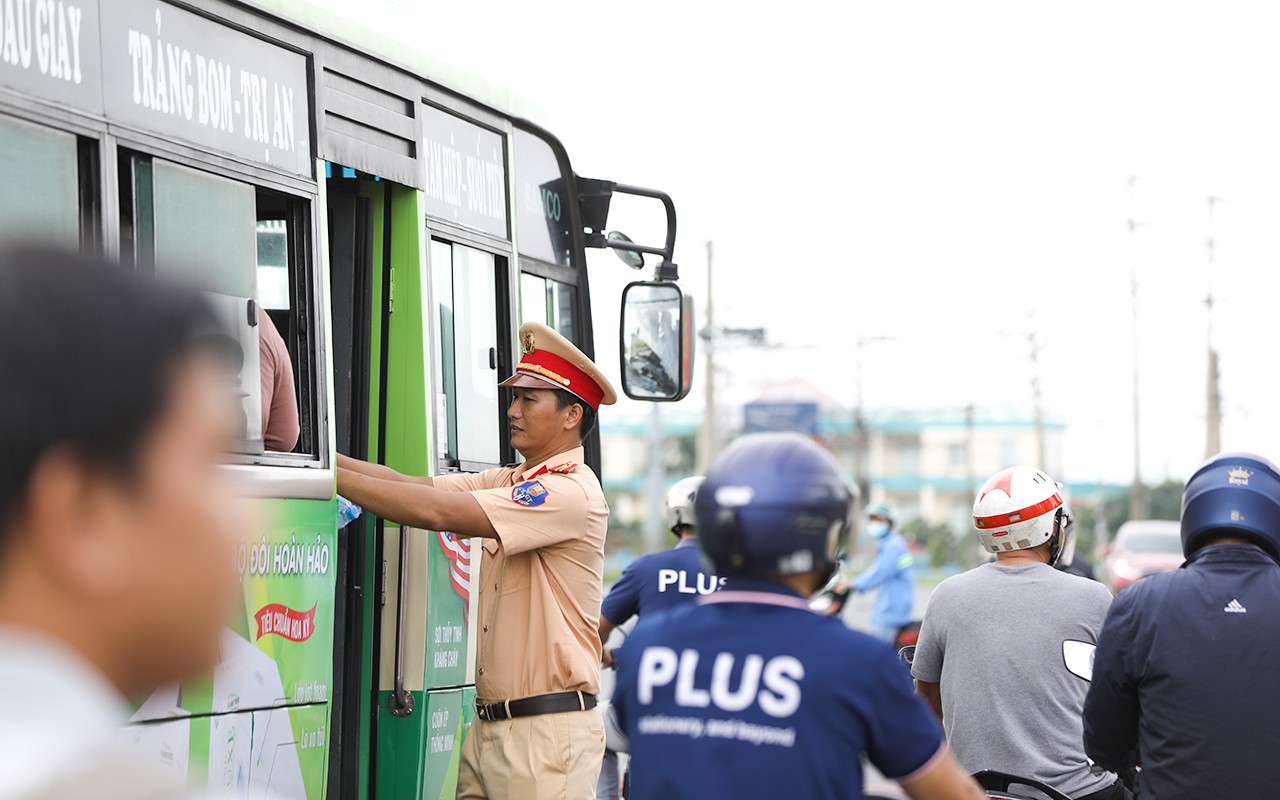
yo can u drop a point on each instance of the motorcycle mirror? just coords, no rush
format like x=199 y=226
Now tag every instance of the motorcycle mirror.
x=1078 y=658
x=907 y=654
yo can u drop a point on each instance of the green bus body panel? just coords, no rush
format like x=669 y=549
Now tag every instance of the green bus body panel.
x=425 y=768
x=399 y=759
x=412 y=760
x=260 y=723
x=409 y=411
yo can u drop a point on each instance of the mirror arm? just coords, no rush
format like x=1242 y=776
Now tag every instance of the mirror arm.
x=618 y=244
x=667 y=270
x=594 y=195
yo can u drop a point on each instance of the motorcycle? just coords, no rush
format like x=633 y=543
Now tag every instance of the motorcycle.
x=997 y=785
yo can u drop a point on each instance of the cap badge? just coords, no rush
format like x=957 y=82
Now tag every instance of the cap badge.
x=1238 y=476
x=528 y=343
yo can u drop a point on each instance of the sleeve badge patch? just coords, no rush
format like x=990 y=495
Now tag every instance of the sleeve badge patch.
x=530 y=494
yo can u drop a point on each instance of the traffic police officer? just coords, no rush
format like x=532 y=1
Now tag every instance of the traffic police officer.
x=749 y=693
x=537 y=733
x=652 y=583
x=1183 y=677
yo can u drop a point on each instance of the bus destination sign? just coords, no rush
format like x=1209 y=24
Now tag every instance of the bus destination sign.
x=171 y=70
x=50 y=49
x=158 y=68
x=466 y=172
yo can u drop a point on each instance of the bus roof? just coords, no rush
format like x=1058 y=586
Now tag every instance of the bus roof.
x=325 y=18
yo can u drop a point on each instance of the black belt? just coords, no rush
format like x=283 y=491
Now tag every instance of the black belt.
x=534 y=706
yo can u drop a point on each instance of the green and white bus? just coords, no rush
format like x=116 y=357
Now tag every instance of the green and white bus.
x=396 y=228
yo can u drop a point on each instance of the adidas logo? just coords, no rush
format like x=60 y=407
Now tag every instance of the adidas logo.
x=1234 y=607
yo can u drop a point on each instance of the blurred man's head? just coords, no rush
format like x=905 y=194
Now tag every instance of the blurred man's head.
x=113 y=415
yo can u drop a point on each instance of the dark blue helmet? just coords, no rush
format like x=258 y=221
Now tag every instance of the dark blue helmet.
x=1233 y=494
x=774 y=503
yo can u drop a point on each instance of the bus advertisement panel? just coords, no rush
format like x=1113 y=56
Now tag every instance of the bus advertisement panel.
x=260 y=722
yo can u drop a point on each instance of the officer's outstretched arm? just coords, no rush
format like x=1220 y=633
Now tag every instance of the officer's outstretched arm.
x=416 y=505
x=943 y=779
x=378 y=471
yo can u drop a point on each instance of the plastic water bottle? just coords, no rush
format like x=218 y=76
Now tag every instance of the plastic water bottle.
x=348 y=511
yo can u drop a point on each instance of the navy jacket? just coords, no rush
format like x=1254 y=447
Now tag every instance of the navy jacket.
x=1184 y=679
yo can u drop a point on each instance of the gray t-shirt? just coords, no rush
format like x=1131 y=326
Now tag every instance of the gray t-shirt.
x=992 y=637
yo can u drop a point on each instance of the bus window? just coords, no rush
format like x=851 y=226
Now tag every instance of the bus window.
x=284 y=297
x=464 y=281
x=242 y=247
x=548 y=301
x=40 y=192
x=205 y=233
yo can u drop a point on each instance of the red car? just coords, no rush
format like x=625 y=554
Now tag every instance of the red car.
x=1142 y=547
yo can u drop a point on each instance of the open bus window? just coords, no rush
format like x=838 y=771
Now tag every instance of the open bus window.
x=204 y=230
x=464 y=282
x=284 y=295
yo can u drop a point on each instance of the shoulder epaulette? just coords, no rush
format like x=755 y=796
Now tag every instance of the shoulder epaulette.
x=564 y=469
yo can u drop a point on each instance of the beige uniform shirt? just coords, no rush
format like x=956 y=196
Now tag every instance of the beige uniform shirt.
x=541 y=580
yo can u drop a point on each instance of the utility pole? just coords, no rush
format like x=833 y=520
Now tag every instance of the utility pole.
x=966 y=555
x=861 y=454
x=1137 y=492
x=1213 y=404
x=1038 y=405
x=708 y=434
x=657 y=482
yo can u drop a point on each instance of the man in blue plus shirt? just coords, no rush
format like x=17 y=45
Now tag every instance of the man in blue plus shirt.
x=748 y=692
x=893 y=572
x=651 y=583
x=664 y=580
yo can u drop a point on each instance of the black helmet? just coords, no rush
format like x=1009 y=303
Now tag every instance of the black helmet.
x=774 y=503
x=1236 y=494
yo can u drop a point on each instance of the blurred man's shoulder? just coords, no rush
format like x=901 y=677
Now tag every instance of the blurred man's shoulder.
x=109 y=771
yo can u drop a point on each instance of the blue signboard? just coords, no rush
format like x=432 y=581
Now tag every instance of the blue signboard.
x=800 y=417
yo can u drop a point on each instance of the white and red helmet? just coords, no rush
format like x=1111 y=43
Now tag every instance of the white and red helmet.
x=1016 y=509
x=680 y=499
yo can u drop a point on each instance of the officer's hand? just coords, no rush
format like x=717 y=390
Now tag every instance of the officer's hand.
x=606 y=658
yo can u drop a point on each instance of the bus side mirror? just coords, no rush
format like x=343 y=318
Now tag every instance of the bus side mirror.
x=656 y=341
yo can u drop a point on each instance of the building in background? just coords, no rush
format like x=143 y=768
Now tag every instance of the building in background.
x=927 y=463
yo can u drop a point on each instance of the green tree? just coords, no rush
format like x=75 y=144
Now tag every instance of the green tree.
x=941 y=542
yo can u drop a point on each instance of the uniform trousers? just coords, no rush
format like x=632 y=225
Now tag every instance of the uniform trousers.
x=545 y=757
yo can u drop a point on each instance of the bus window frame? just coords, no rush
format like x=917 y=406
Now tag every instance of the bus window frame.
x=578 y=263
x=317 y=465
x=92 y=144
x=504 y=255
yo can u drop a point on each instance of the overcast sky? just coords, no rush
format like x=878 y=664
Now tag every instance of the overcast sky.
x=950 y=174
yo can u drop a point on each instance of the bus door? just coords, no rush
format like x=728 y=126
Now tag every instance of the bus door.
x=358 y=264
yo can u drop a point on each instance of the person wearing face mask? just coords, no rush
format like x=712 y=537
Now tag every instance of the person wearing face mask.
x=892 y=572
